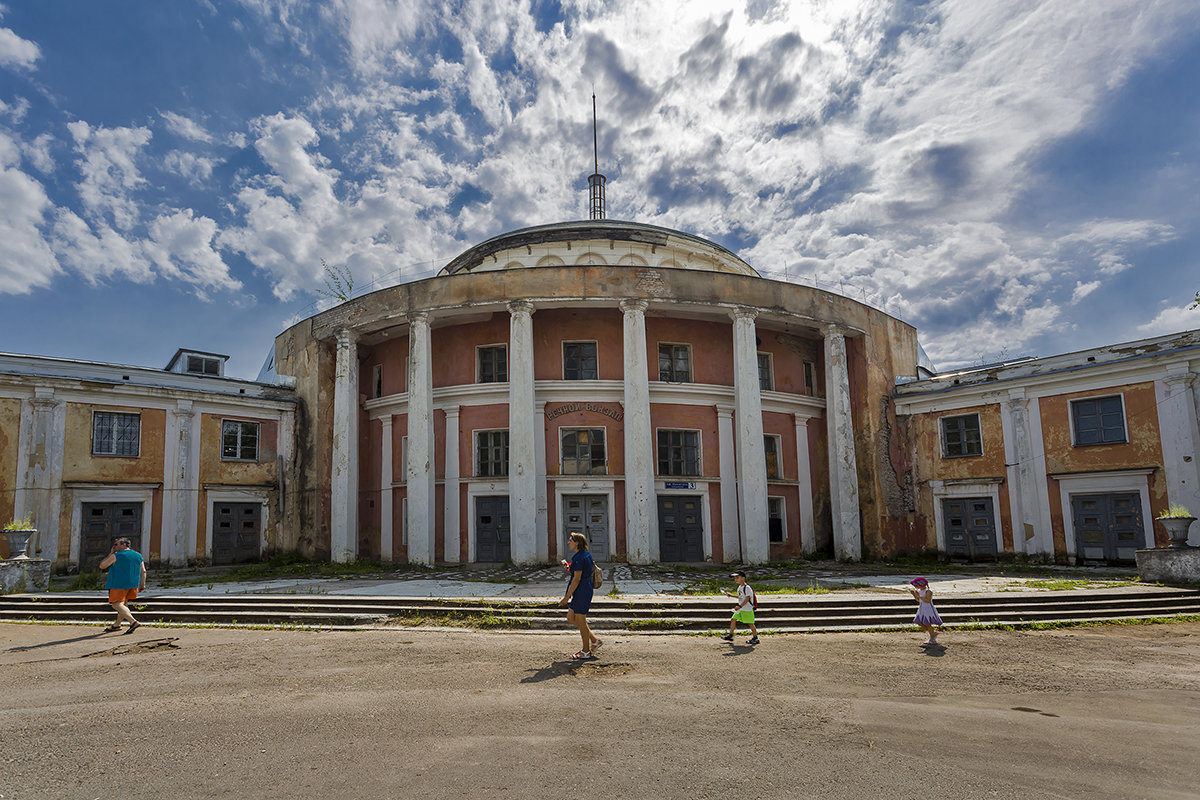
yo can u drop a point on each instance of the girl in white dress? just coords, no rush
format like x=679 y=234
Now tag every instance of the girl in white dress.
x=927 y=616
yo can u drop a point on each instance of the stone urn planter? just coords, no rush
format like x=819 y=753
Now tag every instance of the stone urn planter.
x=18 y=541
x=1177 y=529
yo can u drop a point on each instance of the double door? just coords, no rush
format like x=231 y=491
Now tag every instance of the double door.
x=102 y=524
x=493 y=537
x=237 y=532
x=970 y=528
x=586 y=514
x=680 y=528
x=1108 y=527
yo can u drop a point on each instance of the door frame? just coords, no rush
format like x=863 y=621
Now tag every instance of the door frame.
x=483 y=489
x=113 y=493
x=214 y=496
x=706 y=519
x=945 y=490
x=1122 y=482
x=562 y=488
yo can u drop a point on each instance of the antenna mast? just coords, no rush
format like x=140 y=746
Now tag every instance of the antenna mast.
x=596 y=180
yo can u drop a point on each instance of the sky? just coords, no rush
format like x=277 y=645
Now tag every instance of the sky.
x=1011 y=177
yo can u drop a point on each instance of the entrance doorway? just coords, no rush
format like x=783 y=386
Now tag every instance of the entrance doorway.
x=1108 y=527
x=492 y=536
x=680 y=528
x=104 y=522
x=970 y=528
x=586 y=514
x=237 y=532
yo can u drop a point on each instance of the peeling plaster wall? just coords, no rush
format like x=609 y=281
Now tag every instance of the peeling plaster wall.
x=10 y=425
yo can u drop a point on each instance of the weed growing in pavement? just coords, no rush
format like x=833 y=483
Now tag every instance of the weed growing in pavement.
x=1066 y=584
x=84 y=581
x=515 y=618
x=653 y=624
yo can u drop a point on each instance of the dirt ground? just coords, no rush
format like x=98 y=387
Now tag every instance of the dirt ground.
x=1109 y=712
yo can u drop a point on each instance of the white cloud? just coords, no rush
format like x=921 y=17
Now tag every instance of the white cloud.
x=109 y=172
x=196 y=169
x=17 y=52
x=26 y=262
x=1171 y=319
x=185 y=127
x=97 y=256
x=1082 y=290
x=181 y=245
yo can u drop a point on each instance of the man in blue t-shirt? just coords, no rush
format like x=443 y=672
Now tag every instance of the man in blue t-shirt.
x=126 y=576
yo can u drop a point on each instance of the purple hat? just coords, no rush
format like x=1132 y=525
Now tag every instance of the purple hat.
x=919 y=582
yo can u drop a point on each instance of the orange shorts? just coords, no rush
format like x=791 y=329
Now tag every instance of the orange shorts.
x=121 y=595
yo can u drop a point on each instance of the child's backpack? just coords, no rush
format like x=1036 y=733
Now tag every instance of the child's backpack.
x=597 y=576
x=754 y=600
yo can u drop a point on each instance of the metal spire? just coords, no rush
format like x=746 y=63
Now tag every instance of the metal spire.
x=596 y=180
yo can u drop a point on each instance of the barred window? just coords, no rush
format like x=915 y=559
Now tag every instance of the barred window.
x=579 y=361
x=239 y=440
x=674 y=363
x=491 y=448
x=116 y=434
x=583 y=451
x=678 y=453
x=1099 y=420
x=960 y=436
x=493 y=364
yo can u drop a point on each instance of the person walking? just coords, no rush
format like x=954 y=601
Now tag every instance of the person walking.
x=927 y=616
x=579 y=595
x=743 y=612
x=126 y=576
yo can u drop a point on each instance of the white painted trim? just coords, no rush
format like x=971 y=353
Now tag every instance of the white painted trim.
x=109 y=493
x=943 y=491
x=1133 y=480
x=808 y=532
x=1042 y=542
x=260 y=496
x=480 y=488
x=475 y=454
x=770 y=369
x=731 y=537
x=386 y=529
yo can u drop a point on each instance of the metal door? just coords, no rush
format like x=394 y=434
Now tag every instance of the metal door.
x=105 y=522
x=586 y=514
x=492 y=537
x=1108 y=527
x=237 y=532
x=970 y=528
x=680 y=528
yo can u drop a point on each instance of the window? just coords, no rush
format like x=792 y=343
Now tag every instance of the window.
x=115 y=434
x=674 y=363
x=771 y=448
x=579 y=361
x=199 y=365
x=765 y=381
x=377 y=380
x=493 y=363
x=960 y=436
x=1099 y=420
x=776 y=530
x=678 y=453
x=491 y=448
x=583 y=451
x=239 y=440
x=810 y=379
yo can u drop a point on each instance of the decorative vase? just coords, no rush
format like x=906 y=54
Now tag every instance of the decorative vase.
x=1177 y=529
x=18 y=542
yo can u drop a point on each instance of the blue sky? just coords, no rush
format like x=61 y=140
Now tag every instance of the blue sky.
x=1010 y=177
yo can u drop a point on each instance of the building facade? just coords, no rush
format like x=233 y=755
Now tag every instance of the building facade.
x=641 y=385
x=185 y=462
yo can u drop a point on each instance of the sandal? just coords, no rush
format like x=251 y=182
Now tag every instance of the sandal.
x=116 y=626
x=596 y=645
x=133 y=627
x=582 y=655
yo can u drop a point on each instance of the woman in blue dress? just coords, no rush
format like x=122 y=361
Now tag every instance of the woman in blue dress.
x=579 y=595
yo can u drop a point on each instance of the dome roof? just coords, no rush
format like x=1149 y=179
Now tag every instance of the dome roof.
x=598 y=242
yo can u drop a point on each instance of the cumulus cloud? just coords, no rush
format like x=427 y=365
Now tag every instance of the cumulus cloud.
x=109 y=172
x=186 y=127
x=26 y=261
x=196 y=169
x=17 y=52
x=181 y=245
x=1171 y=319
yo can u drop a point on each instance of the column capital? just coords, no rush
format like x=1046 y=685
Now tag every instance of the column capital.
x=516 y=307
x=832 y=330
x=346 y=337
x=451 y=411
x=1180 y=375
x=724 y=411
x=386 y=421
x=634 y=305
x=744 y=312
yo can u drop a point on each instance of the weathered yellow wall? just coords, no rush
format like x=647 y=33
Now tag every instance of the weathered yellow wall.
x=214 y=470
x=80 y=465
x=10 y=426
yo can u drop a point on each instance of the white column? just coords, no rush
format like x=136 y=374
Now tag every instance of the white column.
x=40 y=485
x=419 y=466
x=543 y=514
x=641 y=513
x=180 y=485
x=522 y=442
x=751 y=461
x=343 y=495
x=843 y=465
x=1018 y=456
x=450 y=518
x=808 y=532
x=386 y=524
x=1180 y=433
x=731 y=539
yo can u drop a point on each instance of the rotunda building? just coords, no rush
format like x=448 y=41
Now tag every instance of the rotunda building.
x=640 y=385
